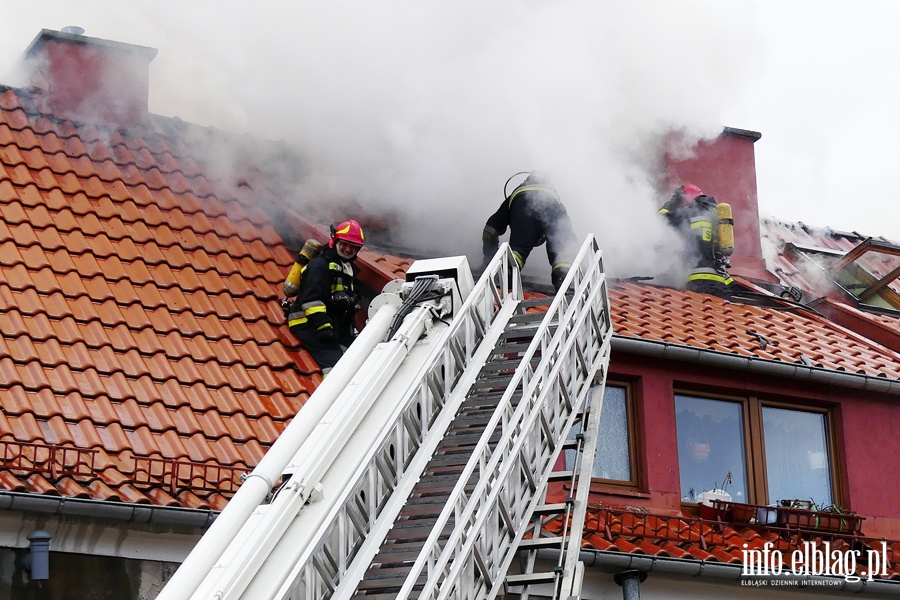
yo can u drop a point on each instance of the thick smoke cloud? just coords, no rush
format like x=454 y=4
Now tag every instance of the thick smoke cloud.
x=424 y=109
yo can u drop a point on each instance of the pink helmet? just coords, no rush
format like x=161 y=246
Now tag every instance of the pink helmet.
x=690 y=191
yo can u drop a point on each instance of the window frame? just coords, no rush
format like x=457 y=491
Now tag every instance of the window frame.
x=754 y=440
x=634 y=486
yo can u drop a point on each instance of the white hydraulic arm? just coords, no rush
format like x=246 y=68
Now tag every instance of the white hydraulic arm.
x=353 y=444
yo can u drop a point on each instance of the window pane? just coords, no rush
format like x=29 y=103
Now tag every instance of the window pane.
x=613 y=457
x=797 y=462
x=710 y=445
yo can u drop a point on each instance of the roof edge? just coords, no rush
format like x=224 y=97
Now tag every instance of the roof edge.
x=107 y=510
x=752 y=364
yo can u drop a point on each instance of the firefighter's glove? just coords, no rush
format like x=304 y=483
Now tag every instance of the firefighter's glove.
x=323 y=328
x=490 y=241
x=327 y=335
x=286 y=304
x=344 y=303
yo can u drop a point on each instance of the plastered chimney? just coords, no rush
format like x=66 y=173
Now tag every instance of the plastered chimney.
x=725 y=168
x=88 y=79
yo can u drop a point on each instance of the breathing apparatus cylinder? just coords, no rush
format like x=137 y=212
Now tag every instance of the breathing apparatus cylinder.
x=311 y=249
x=725 y=229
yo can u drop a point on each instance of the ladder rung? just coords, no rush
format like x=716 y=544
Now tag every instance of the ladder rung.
x=531 y=578
x=536 y=301
x=570 y=444
x=544 y=542
x=550 y=509
x=560 y=475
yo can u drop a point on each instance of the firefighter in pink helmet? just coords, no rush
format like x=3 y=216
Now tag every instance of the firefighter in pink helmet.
x=321 y=316
x=694 y=215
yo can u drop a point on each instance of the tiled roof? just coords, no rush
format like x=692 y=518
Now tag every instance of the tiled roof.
x=786 y=334
x=633 y=531
x=143 y=354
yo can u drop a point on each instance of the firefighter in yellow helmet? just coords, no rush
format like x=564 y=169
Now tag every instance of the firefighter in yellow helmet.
x=534 y=214
x=321 y=316
x=697 y=217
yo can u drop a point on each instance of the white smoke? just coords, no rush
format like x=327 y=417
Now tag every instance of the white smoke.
x=425 y=109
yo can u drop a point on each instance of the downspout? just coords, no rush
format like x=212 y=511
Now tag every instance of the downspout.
x=101 y=509
x=631 y=583
x=752 y=364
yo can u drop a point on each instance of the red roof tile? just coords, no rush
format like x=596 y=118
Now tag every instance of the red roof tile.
x=703 y=321
x=139 y=310
x=633 y=531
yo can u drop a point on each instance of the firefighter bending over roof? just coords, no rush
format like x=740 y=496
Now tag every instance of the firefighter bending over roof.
x=534 y=214
x=708 y=228
x=321 y=316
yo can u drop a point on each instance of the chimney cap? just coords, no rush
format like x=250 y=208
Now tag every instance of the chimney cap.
x=753 y=135
x=48 y=34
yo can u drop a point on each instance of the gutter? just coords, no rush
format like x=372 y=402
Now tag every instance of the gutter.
x=752 y=364
x=619 y=561
x=124 y=512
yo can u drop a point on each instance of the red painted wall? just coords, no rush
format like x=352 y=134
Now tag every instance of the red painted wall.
x=92 y=80
x=869 y=470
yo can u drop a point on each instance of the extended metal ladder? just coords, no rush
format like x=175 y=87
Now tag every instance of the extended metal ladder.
x=418 y=516
x=473 y=503
x=457 y=465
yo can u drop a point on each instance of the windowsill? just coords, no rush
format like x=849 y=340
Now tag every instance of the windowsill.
x=612 y=490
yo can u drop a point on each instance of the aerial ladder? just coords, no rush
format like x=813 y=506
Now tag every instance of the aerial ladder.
x=419 y=467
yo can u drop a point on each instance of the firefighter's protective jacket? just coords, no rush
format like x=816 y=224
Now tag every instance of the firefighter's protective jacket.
x=326 y=286
x=698 y=222
x=534 y=214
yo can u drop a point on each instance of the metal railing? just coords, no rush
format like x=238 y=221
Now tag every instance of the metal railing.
x=363 y=505
x=49 y=459
x=573 y=340
x=177 y=475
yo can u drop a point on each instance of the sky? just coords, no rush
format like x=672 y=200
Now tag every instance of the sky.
x=427 y=108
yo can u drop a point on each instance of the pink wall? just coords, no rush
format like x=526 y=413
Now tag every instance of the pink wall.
x=870 y=473
x=90 y=79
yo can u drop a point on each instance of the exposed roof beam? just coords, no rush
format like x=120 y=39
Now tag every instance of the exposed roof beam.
x=879 y=285
x=851 y=256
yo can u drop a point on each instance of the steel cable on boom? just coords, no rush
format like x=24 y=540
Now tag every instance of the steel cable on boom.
x=425 y=288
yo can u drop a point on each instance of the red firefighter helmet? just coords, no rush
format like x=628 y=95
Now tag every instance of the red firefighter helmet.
x=348 y=231
x=690 y=192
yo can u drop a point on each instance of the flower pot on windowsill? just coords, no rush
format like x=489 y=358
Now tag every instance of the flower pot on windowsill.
x=751 y=514
x=822 y=520
x=838 y=522
x=715 y=505
x=708 y=497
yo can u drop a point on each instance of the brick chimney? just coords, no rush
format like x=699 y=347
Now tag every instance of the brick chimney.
x=725 y=168
x=88 y=79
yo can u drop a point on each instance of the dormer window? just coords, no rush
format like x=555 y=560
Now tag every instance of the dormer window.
x=868 y=272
